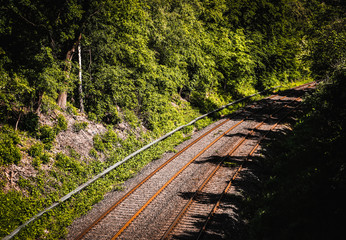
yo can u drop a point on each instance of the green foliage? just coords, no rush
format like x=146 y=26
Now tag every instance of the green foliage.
x=131 y=118
x=68 y=164
x=73 y=153
x=9 y=150
x=62 y=123
x=47 y=135
x=98 y=143
x=36 y=150
x=36 y=163
x=29 y=122
x=93 y=153
x=188 y=130
x=304 y=191
x=48 y=104
x=40 y=156
x=77 y=126
x=45 y=157
x=71 y=109
x=110 y=139
x=139 y=58
x=14 y=93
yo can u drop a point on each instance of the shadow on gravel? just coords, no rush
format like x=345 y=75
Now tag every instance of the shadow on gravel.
x=265 y=106
x=230 y=220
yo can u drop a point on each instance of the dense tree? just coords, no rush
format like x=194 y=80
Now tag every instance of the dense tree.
x=135 y=52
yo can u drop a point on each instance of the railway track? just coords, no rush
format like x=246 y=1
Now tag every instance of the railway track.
x=149 y=209
x=213 y=184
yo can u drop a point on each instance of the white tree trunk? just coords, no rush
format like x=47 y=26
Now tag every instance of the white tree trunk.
x=80 y=89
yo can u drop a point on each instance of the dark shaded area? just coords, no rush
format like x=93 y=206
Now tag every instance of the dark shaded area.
x=304 y=174
x=236 y=209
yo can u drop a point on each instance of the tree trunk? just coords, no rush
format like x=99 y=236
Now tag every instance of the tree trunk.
x=39 y=102
x=20 y=115
x=80 y=87
x=62 y=98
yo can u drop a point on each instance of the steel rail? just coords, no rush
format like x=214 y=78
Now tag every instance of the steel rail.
x=169 y=181
x=82 y=234
x=177 y=174
x=106 y=171
x=85 y=231
x=198 y=191
x=201 y=187
x=216 y=205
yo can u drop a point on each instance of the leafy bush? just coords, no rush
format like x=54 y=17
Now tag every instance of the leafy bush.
x=62 y=123
x=77 y=126
x=111 y=116
x=40 y=156
x=47 y=135
x=48 y=104
x=68 y=163
x=71 y=109
x=131 y=118
x=9 y=151
x=29 y=122
x=45 y=158
x=188 y=130
x=110 y=139
x=36 y=150
x=98 y=143
x=93 y=153
x=36 y=163
x=73 y=153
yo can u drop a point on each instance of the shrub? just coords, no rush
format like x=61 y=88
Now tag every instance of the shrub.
x=36 y=150
x=9 y=151
x=71 y=109
x=68 y=163
x=48 y=104
x=98 y=143
x=79 y=126
x=73 y=153
x=93 y=153
x=188 y=130
x=45 y=158
x=131 y=118
x=92 y=116
x=111 y=116
x=110 y=139
x=29 y=122
x=36 y=163
x=47 y=135
x=62 y=123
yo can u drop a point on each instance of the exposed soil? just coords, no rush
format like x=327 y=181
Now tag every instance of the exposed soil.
x=80 y=141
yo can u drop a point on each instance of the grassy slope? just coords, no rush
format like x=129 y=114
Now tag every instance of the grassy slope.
x=68 y=171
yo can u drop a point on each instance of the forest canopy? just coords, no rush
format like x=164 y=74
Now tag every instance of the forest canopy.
x=136 y=54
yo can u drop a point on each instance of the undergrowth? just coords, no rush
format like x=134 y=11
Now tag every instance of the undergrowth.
x=68 y=171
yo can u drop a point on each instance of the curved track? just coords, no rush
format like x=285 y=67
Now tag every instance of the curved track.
x=148 y=210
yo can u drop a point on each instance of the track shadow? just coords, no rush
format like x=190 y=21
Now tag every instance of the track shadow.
x=265 y=106
x=230 y=220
